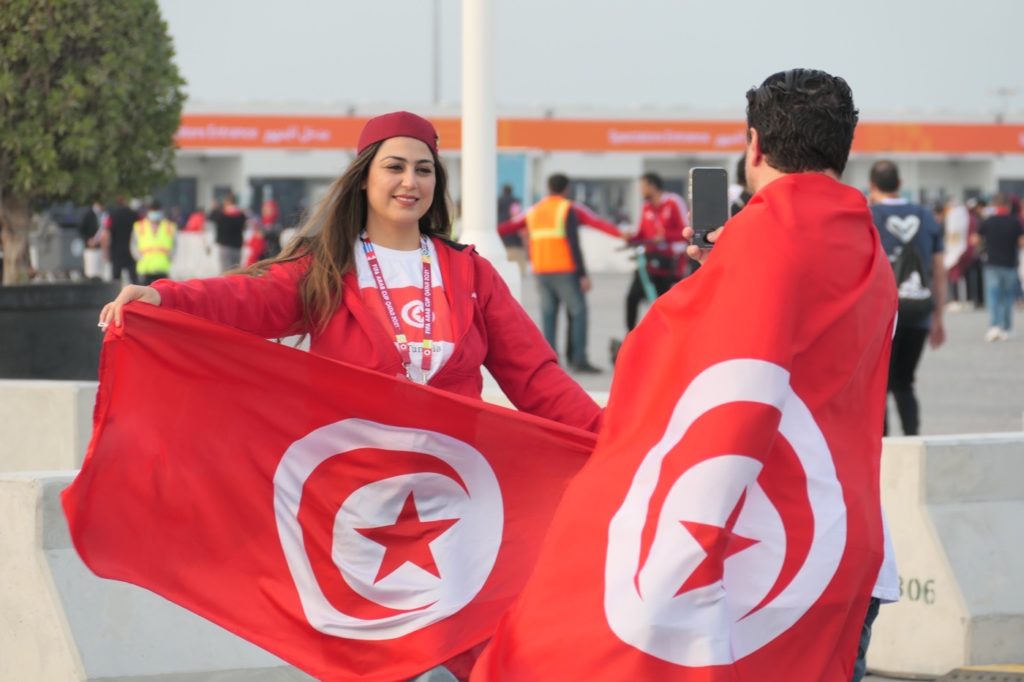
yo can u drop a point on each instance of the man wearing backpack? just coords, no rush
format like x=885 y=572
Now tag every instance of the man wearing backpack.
x=913 y=241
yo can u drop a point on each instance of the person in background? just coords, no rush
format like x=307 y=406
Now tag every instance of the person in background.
x=270 y=219
x=958 y=252
x=122 y=225
x=1002 y=237
x=660 y=233
x=903 y=225
x=230 y=222
x=977 y=208
x=509 y=208
x=255 y=242
x=93 y=228
x=552 y=227
x=739 y=192
x=153 y=239
x=196 y=221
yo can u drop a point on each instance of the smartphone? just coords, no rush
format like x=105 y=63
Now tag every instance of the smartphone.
x=709 y=203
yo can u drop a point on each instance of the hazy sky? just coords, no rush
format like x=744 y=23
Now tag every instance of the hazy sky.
x=903 y=58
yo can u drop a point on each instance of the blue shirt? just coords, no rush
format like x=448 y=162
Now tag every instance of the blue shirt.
x=898 y=222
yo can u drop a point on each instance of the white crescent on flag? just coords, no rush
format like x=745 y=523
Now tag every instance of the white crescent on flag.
x=461 y=512
x=727 y=619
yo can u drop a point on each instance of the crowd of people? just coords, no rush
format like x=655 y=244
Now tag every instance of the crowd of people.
x=985 y=258
x=965 y=255
x=136 y=242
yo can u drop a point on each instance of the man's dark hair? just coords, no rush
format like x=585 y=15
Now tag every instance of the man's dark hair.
x=804 y=119
x=885 y=176
x=654 y=180
x=155 y=205
x=558 y=183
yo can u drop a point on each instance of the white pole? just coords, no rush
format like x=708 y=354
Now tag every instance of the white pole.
x=480 y=139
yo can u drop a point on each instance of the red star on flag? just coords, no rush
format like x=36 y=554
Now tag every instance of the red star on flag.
x=407 y=540
x=718 y=543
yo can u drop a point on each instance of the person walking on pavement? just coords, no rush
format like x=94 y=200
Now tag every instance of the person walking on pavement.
x=230 y=222
x=660 y=233
x=901 y=226
x=509 y=207
x=92 y=229
x=122 y=225
x=153 y=238
x=1003 y=237
x=552 y=227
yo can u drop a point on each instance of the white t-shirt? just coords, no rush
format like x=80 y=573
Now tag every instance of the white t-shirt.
x=403 y=273
x=887 y=587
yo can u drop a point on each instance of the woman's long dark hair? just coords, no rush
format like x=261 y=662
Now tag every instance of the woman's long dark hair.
x=328 y=237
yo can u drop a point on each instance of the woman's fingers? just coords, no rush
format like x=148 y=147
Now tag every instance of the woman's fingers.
x=113 y=312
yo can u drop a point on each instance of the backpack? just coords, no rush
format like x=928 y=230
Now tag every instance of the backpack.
x=916 y=302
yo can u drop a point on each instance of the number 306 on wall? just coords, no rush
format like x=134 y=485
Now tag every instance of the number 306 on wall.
x=916 y=590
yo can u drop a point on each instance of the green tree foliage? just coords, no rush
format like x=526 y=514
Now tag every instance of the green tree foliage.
x=90 y=99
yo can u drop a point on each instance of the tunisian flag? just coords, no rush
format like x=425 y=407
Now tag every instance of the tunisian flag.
x=358 y=526
x=728 y=526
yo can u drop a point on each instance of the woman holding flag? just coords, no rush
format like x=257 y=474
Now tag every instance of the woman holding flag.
x=374 y=281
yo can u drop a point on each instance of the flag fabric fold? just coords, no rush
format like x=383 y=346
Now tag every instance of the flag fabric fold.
x=358 y=526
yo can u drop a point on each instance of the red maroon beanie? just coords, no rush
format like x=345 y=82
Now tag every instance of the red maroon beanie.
x=397 y=124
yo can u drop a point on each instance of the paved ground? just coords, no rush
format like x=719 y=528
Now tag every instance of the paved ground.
x=966 y=386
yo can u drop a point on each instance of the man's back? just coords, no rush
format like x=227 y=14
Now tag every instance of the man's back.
x=752 y=392
x=552 y=228
x=900 y=222
x=230 y=223
x=1002 y=237
x=828 y=277
x=122 y=220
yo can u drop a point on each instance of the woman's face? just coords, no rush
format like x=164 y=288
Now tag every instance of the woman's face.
x=400 y=183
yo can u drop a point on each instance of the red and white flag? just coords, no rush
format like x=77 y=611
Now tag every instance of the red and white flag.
x=728 y=525
x=358 y=526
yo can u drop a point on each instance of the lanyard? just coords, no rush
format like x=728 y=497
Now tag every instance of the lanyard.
x=389 y=305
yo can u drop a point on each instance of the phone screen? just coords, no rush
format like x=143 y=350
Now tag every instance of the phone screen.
x=709 y=202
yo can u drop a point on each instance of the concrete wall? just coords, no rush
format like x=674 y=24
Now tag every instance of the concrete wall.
x=59 y=622
x=955 y=505
x=46 y=425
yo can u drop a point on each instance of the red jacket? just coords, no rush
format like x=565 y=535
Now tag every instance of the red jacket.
x=664 y=221
x=491 y=330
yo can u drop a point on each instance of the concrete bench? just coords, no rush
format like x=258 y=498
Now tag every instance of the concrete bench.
x=956 y=511
x=46 y=425
x=59 y=622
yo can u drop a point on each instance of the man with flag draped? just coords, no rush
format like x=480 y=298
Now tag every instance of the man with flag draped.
x=728 y=524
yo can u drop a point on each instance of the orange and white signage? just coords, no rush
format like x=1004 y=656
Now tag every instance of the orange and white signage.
x=229 y=131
